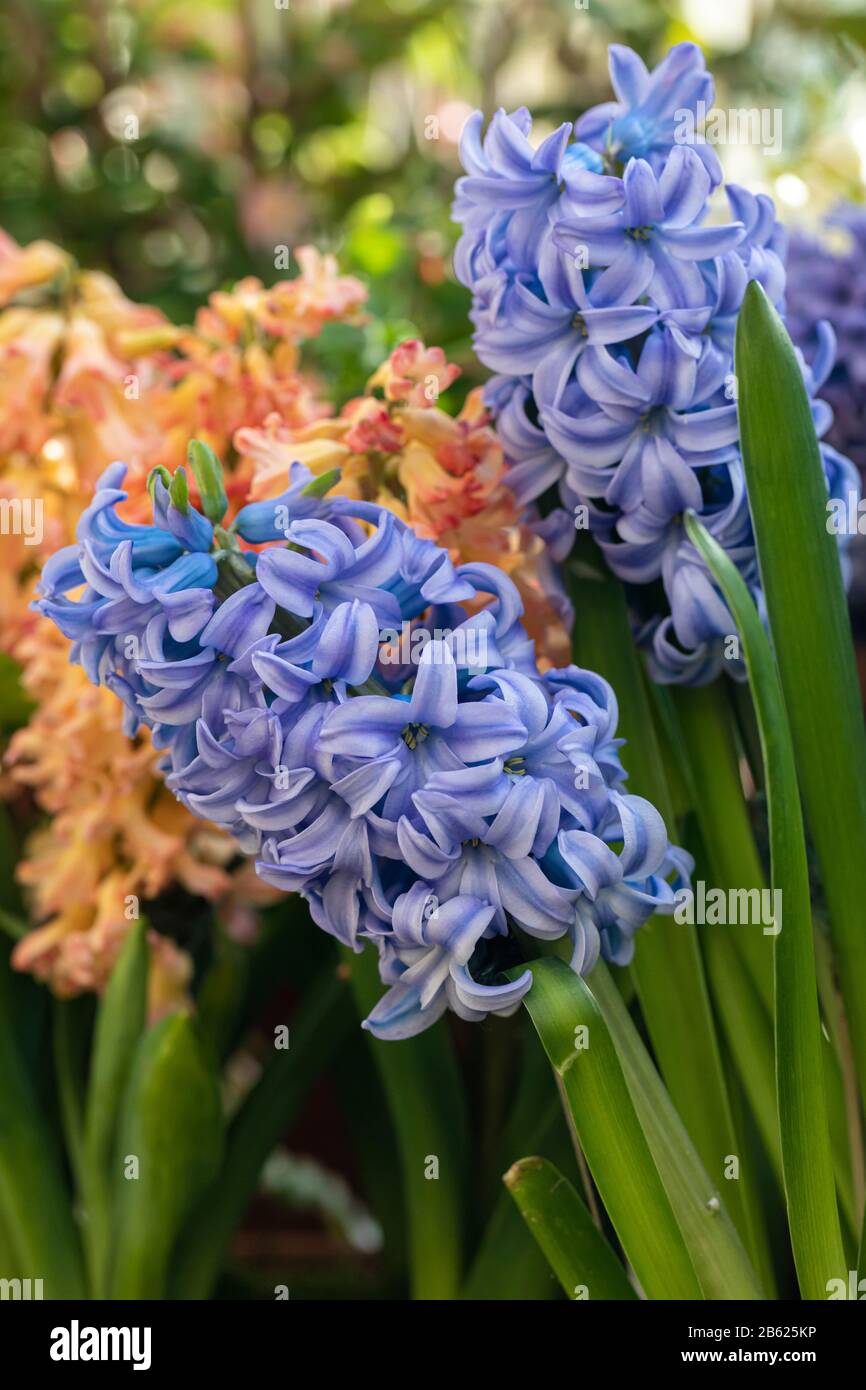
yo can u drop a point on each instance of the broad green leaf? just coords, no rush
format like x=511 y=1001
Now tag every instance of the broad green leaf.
x=120 y=1021
x=320 y=1026
x=699 y=1204
x=813 y=1218
x=35 y=1202
x=811 y=635
x=428 y=1112
x=667 y=967
x=508 y=1263
x=739 y=959
x=581 y=1050
x=168 y=1151
x=576 y=1250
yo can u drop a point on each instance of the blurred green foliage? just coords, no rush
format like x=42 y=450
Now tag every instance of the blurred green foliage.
x=178 y=143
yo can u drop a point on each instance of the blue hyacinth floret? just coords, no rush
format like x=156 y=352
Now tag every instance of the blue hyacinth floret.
x=606 y=283
x=440 y=798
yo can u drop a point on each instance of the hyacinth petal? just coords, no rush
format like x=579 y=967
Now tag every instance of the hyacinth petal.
x=349 y=644
x=240 y=620
x=553 y=372
x=489 y=998
x=288 y=681
x=644 y=836
x=515 y=825
x=701 y=243
x=643 y=203
x=684 y=186
x=617 y=323
x=434 y=695
x=422 y=854
x=485 y=730
x=366 y=785
x=548 y=156
x=188 y=611
x=61 y=572
x=542 y=908
x=593 y=195
x=290 y=579
x=623 y=282
x=628 y=74
x=369 y=724
x=398 y=1014
x=609 y=381
x=593 y=863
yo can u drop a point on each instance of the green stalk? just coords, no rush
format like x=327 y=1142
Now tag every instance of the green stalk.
x=577 y=1252
x=427 y=1104
x=813 y=1216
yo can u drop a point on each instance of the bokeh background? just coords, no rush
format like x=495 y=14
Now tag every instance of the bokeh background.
x=176 y=143
x=180 y=145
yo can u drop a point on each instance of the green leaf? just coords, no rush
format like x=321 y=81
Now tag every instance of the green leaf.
x=261 y=1122
x=428 y=1112
x=35 y=1203
x=699 y=1204
x=668 y=968
x=811 y=635
x=707 y=730
x=508 y=1263
x=220 y=1004
x=578 y=1043
x=813 y=1218
x=71 y=1043
x=172 y=1127
x=576 y=1250
x=739 y=959
x=120 y=1021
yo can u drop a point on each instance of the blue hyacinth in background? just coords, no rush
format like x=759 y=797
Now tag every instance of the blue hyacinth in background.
x=606 y=275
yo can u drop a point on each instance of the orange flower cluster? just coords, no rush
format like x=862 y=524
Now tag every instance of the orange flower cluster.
x=88 y=377
x=445 y=475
